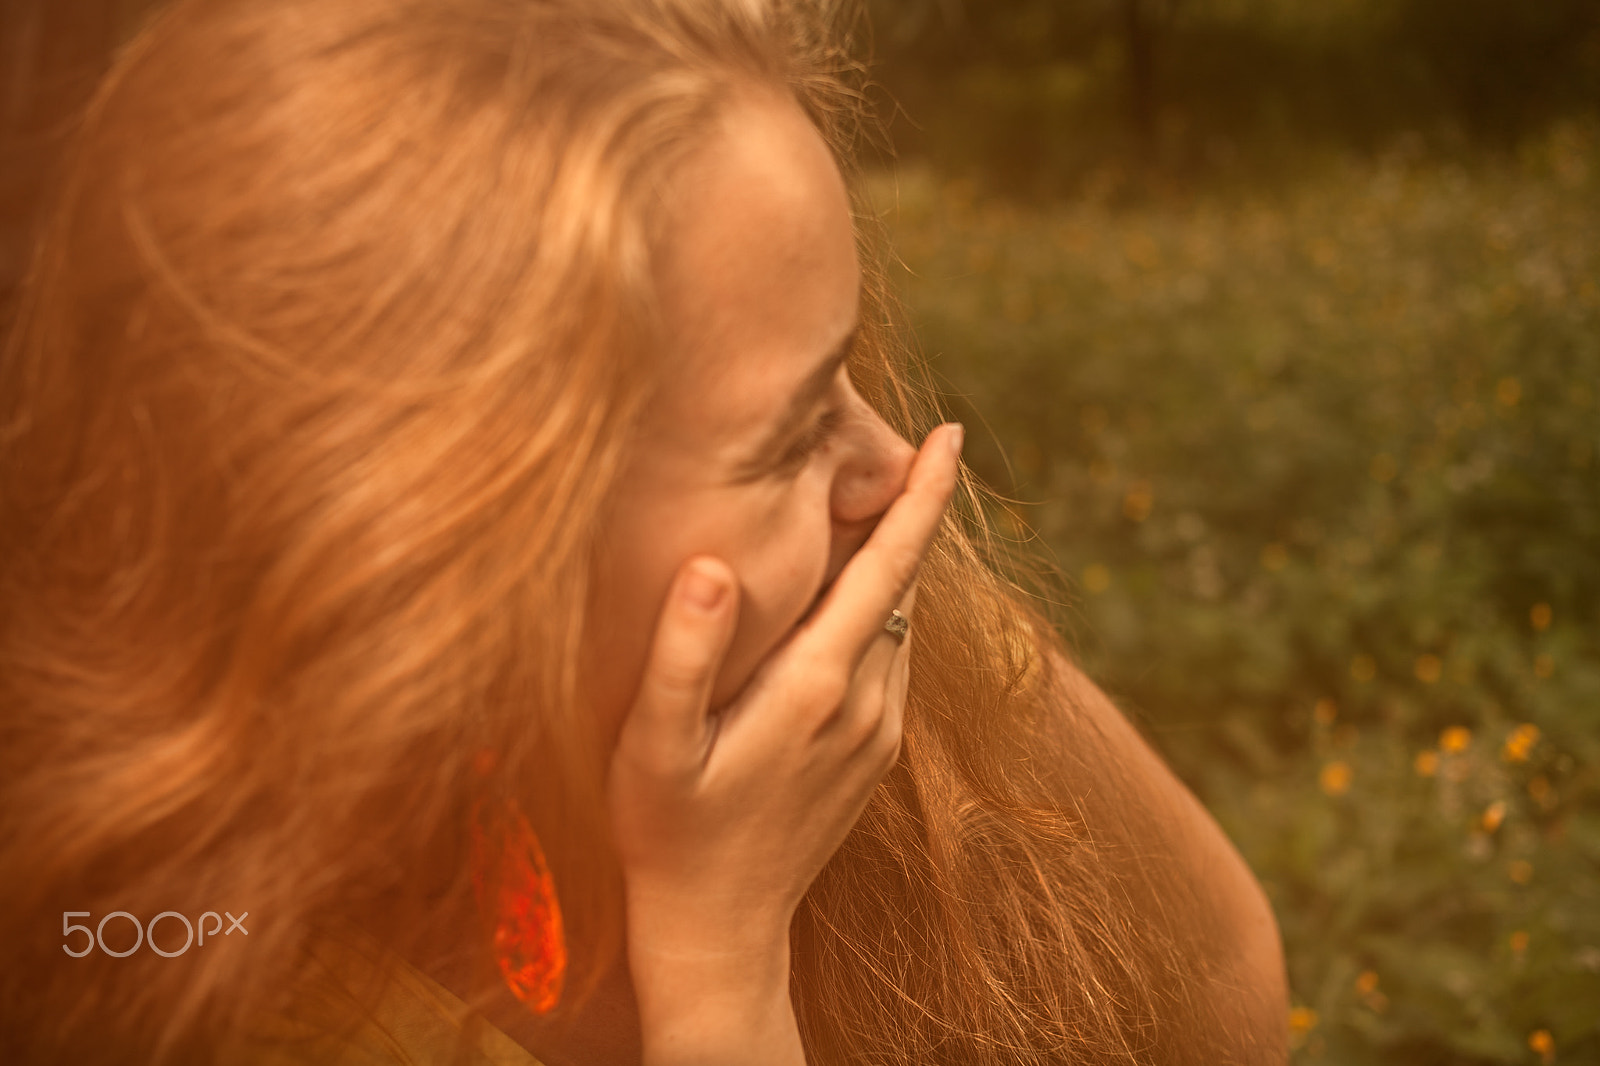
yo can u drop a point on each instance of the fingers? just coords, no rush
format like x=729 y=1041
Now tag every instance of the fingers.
x=669 y=718
x=881 y=574
x=884 y=651
x=876 y=702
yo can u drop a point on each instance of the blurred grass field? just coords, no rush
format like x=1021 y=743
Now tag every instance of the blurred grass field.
x=1320 y=467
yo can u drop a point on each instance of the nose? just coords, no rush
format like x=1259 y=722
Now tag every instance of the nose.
x=873 y=472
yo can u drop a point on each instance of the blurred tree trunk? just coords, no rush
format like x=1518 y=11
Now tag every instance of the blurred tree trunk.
x=1138 y=38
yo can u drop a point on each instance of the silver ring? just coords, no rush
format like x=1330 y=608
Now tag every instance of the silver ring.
x=897 y=626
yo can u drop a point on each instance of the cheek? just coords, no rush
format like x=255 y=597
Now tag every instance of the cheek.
x=777 y=542
x=625 y=596
x=781 y=560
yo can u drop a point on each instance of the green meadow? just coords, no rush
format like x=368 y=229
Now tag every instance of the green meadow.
x=1320 y=471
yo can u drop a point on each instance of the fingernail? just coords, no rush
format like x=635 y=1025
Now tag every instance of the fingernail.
x=957 y=435
x=701 y=588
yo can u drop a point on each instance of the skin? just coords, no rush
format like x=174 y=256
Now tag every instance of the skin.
x=740 y=660
x=749 y=319
x=756 y=547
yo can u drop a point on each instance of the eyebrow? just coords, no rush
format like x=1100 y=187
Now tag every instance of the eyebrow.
x=801 y=403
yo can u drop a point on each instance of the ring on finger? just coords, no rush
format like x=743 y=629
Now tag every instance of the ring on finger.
x=897 y=626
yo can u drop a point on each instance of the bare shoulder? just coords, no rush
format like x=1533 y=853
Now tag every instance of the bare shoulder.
x=1193 y=879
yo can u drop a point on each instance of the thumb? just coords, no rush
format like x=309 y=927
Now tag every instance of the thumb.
x=692 y=635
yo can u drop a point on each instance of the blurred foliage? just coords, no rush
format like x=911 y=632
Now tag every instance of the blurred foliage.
x=1037 y=96
x=1322 y=466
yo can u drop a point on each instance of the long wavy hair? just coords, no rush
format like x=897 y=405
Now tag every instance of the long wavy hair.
x=331 y=350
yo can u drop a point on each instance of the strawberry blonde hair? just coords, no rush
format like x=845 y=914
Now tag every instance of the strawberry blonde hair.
x=330 y=353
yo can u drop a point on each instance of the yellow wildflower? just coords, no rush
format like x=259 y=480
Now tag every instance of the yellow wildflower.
x=1520 y=742
x=1493 y=816
x=1426 y=763
x=1541 y=1041
x=1335 y=778
x=1302 y=1020
x=1367 y=986
x=1456 y=739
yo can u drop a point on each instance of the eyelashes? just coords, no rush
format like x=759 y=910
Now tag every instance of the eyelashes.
x=813 y=438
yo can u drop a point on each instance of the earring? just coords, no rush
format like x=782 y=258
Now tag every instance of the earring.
x=517 y=895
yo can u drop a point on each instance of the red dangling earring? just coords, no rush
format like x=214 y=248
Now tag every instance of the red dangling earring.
x=516 y=893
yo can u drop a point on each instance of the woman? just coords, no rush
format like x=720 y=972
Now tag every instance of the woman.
x=457 y=511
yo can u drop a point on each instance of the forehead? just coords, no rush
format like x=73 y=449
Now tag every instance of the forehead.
x=758 y=277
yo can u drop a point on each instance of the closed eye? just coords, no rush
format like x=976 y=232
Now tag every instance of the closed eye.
x=813 y=438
